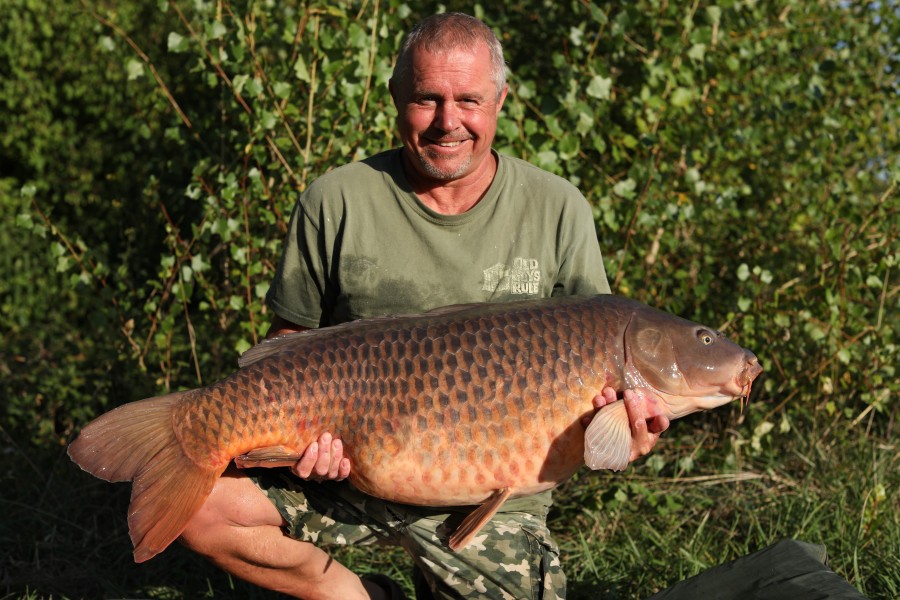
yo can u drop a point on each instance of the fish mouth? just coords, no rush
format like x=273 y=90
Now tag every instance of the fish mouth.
x=751 y=370
x=744 y=380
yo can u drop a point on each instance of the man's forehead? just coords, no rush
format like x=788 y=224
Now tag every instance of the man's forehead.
x=474 y=61
x=436 y=48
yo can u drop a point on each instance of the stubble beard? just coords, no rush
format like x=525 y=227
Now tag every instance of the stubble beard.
x=432 y=170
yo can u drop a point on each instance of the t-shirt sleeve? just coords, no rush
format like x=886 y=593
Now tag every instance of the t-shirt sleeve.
x=581 y=269
x=301 y=291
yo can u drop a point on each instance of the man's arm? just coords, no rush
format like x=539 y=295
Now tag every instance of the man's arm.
x=281 y=326
x=324 y=458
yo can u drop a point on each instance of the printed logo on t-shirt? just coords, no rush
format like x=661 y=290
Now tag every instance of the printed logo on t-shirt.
x=523 y=277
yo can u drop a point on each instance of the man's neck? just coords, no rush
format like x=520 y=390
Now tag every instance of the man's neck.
x=452 y=197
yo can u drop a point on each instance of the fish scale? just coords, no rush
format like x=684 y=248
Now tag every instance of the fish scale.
x=462 y=405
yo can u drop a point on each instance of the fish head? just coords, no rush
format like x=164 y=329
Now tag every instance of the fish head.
x=691 y=367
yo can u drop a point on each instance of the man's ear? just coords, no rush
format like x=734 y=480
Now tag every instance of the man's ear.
x=502 y=98
x=392 y=88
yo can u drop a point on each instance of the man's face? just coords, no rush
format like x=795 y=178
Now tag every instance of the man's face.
x=447 y=113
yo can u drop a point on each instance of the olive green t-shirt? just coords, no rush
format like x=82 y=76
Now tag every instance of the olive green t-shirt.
x=362 y=244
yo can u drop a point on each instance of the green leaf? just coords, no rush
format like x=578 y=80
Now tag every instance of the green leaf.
x=282 y=89
x=216 y=30
x=242 y=346
x=599 y=87
x=844 y=356
x=575 y=36
x=24 y=221
x=625 y=188
x=682 y=97
x=697 y=52
x=268 y=120
x=107 y=43
x=176 y=42
x=239 y=82
x=569 y=146
x=300 y=70
x=585 y=123
x=526 y=90
x=135 y=69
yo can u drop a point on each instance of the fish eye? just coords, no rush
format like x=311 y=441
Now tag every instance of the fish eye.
x=706 y=338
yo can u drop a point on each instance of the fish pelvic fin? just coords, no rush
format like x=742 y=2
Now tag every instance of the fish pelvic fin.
x=607 y=440
x=475 y=520
x=269 y=456
x=136 y=442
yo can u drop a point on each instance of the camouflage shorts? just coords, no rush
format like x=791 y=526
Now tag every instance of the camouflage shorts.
x=512 y=557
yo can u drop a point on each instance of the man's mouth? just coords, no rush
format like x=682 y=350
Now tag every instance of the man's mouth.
x=448 y=143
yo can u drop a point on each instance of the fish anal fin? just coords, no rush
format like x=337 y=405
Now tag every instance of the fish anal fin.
x=269 y=456
x=475 y=520
x=607 y=440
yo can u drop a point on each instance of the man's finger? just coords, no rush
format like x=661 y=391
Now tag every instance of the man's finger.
x=343 y=469
x=305 y=465
x=323 y=463
x=606 y=396
x=658 y=424
x=641 y=439
x=337 y=454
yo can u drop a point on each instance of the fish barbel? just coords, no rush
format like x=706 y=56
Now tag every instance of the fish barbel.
x=463 y=405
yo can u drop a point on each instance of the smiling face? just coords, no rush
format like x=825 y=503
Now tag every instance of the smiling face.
x=447 y=115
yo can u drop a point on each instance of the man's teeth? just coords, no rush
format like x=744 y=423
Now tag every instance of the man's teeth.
x=448 y=144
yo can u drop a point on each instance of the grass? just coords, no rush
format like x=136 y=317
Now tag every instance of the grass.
x=703 y=498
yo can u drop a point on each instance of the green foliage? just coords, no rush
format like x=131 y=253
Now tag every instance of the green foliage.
x=741 y=158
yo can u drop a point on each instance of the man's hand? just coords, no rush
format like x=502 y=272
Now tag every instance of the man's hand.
x=644 y=414
x=323 y=460
x=647 y=421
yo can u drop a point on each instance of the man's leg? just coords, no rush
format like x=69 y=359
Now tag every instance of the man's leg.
x=513 y=557
x=239 y=530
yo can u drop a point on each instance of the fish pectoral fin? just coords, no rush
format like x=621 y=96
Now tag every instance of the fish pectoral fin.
x=269 y=456
x=607 y=440
x=475 y=520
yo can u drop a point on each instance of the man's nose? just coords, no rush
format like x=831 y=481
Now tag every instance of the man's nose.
x=447 y=116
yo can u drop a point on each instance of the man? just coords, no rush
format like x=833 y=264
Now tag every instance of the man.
x=443 y=220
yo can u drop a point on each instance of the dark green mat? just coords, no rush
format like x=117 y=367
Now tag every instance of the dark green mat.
x=788 y=570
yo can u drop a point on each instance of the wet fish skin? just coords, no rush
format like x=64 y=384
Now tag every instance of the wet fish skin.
x=457 y=406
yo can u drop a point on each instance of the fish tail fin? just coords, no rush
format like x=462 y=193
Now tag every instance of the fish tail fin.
x=136 y=442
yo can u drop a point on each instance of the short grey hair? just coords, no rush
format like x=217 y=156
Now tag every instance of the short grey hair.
x=448 y=31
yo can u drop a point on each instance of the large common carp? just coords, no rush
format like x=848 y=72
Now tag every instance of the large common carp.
x=463 y=405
